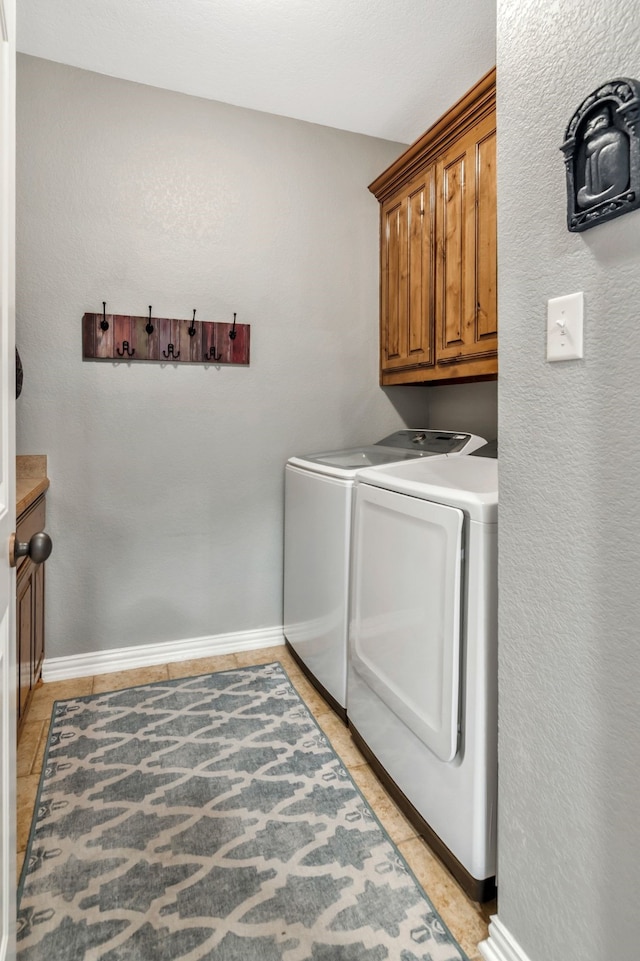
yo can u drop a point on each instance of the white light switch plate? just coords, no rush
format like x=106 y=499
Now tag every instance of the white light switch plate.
x=564 y=327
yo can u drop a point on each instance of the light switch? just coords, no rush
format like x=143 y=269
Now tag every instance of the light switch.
x=564 y=327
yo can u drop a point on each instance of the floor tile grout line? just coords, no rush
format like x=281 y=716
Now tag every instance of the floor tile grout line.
x=37 y=750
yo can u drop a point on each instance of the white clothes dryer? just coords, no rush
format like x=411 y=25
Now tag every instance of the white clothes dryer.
x=317 y=546
x=422 y=679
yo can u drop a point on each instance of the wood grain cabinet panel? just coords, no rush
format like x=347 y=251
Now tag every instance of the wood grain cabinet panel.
x=453 y=233
x=24 y=635
x=38 y=627
x=466 y=269
x=29 y=610
x=406 y=276
x=487 y=231
x=438 y=270
x=394 y=227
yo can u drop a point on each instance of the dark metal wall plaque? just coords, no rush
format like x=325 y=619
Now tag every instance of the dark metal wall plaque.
x=602 y=155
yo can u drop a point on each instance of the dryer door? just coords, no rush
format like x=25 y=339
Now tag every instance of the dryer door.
x=406 y=605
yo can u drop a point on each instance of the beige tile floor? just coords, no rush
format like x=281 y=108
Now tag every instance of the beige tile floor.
x=466 y=920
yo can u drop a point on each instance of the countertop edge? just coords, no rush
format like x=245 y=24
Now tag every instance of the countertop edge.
x=28 y=489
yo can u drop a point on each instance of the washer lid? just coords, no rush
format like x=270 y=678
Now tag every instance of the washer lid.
x=402 y=445
x=347 y=462
x=470 y=483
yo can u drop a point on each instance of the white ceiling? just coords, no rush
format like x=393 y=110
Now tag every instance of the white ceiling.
x=387 y=68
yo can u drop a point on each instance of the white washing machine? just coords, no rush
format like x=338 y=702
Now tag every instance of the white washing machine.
x=422 y=681
x=317 y=546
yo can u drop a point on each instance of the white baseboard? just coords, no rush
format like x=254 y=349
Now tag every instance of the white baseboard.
x=501 y=945
x=144 y=655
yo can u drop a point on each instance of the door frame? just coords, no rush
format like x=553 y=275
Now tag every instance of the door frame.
x=7 y=481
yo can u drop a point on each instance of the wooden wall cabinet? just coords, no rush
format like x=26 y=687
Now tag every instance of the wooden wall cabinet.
x=29 y=609
x=438 y=238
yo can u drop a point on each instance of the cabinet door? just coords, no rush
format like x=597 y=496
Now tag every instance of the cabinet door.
x=24 y=633
x=406 y=271
x=466 y=281
x=38 y=624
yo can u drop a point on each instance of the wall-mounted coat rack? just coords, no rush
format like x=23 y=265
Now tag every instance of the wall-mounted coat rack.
x=119 y=337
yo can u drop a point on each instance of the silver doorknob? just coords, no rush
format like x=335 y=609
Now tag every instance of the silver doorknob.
x=38 y=548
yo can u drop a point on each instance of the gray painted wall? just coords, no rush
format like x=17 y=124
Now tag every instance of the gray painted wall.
x=569 y=844
x=473 y=406
x=166 y=497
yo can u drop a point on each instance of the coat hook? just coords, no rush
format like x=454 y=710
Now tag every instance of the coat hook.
x=125 y=349
x=233 y=332
x=149 y=327
x=104 y=323
x=192 y=330
x=170 y=352
x=211 y=355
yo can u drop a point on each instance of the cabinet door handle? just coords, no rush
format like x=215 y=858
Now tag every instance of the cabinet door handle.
x=38 y=548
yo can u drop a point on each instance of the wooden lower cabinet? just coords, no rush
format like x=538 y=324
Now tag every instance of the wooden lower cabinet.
x=30 y=580
x=24 y=634
x=438 y=243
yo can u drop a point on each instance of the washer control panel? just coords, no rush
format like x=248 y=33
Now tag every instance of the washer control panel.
x=427 y=441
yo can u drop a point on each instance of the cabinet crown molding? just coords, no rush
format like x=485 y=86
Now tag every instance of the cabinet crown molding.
x=464 y=114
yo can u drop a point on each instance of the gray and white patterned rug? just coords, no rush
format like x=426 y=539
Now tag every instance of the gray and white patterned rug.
x=209 y=819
